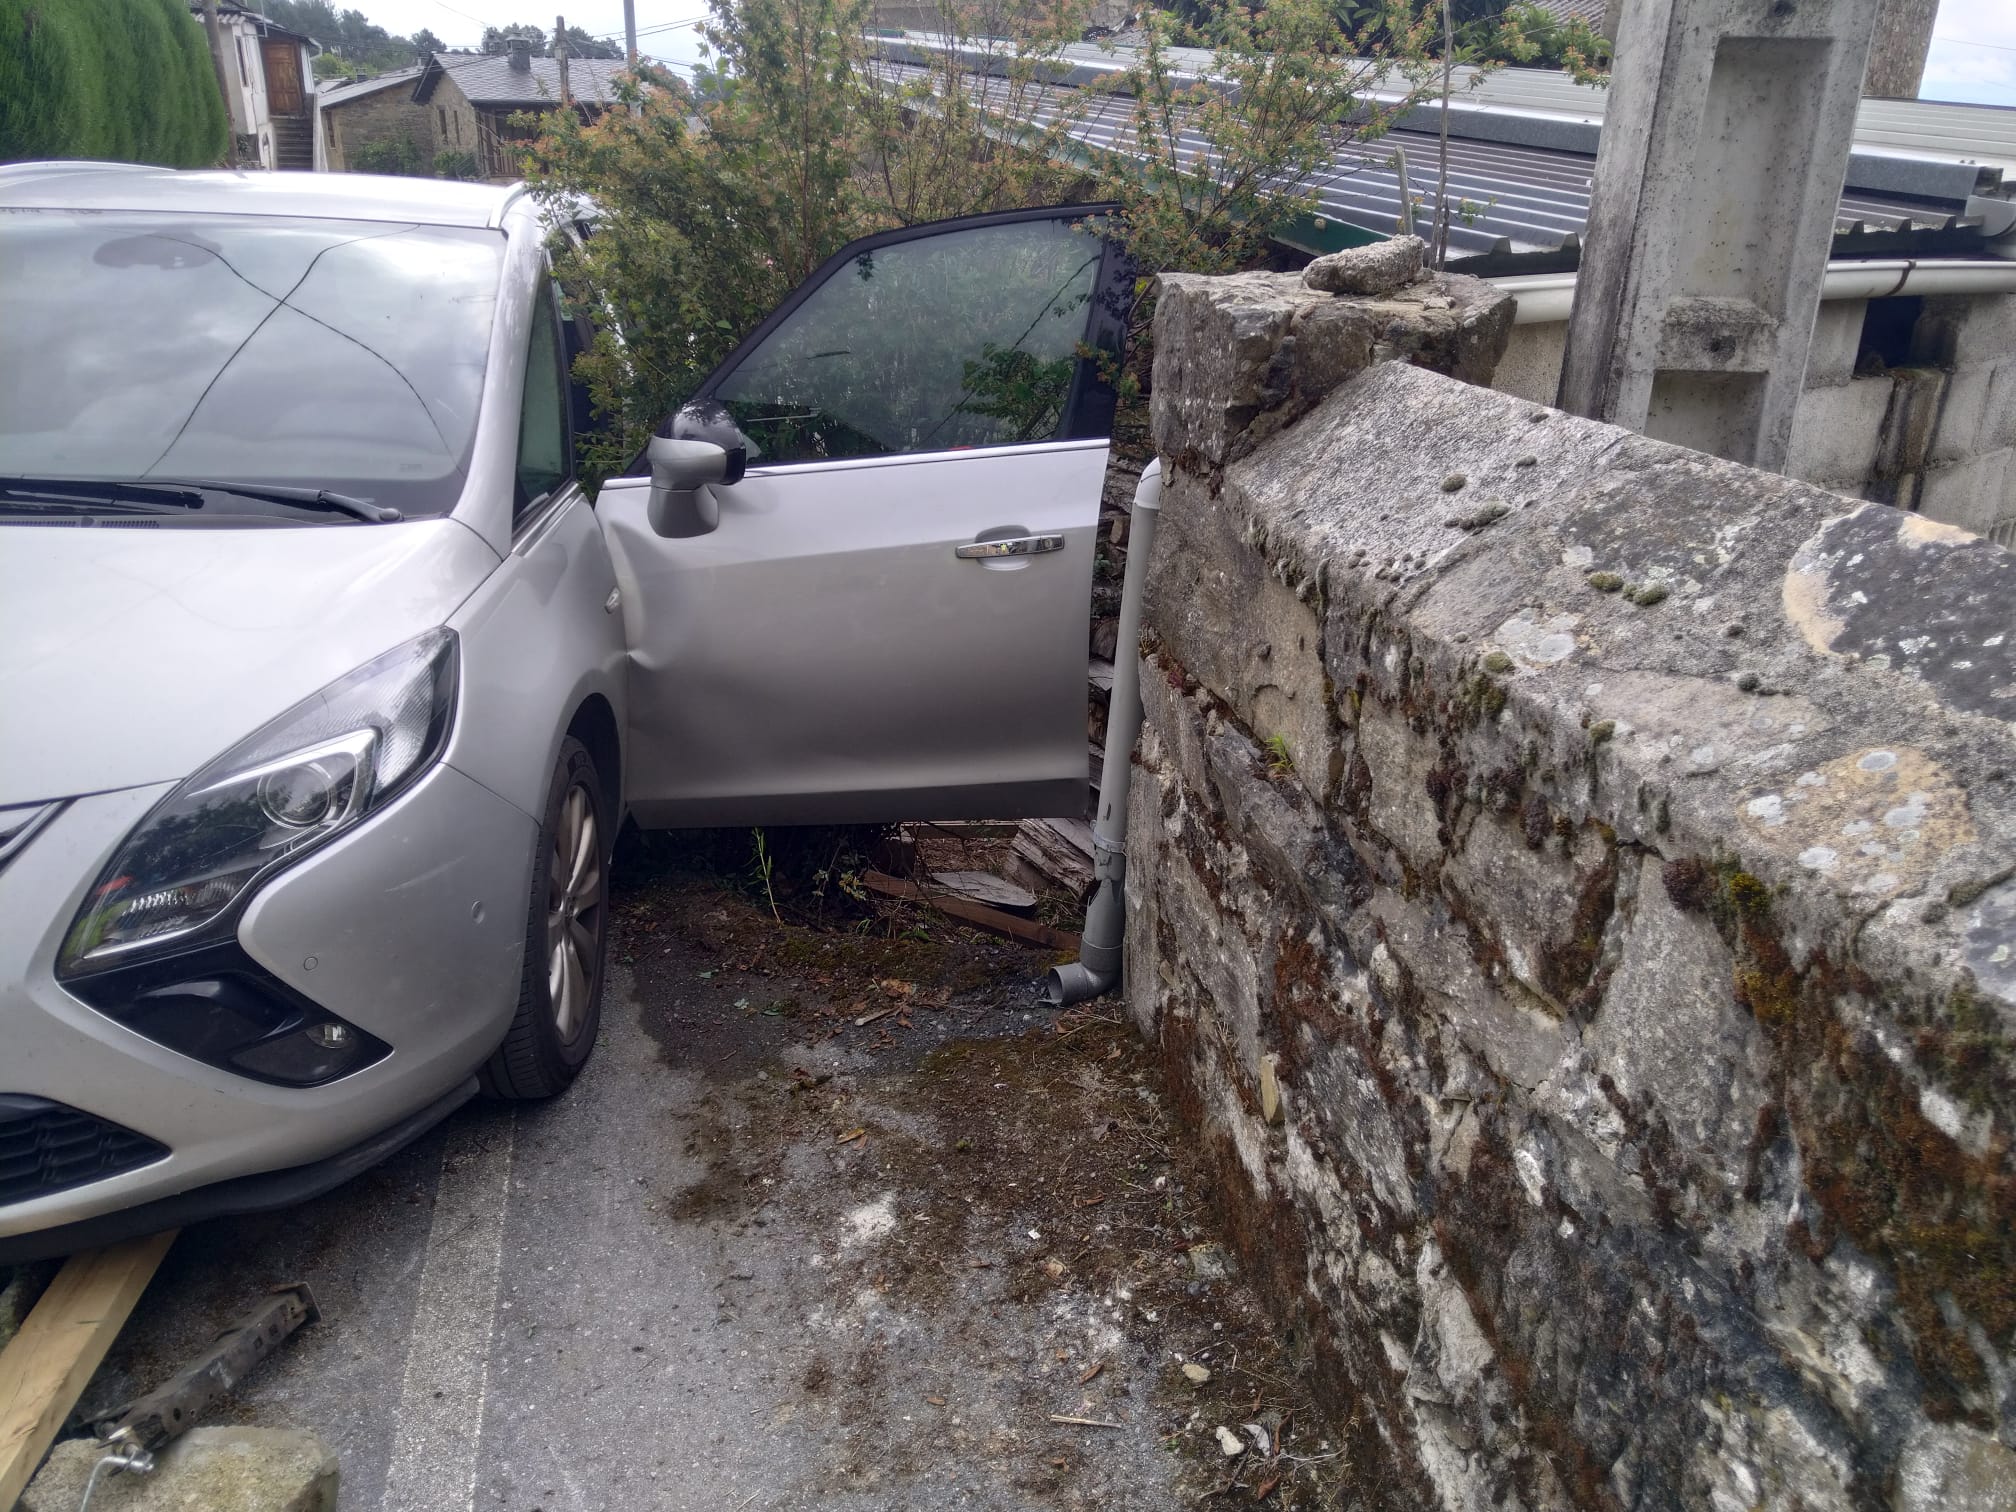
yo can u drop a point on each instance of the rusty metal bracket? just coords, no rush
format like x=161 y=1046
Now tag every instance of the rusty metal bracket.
x=164 y=1414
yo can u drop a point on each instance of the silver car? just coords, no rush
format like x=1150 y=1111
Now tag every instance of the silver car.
x=324 y=686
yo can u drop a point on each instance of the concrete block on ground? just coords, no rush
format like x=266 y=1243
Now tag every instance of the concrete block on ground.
x=20 y=1288
x=207 y=1470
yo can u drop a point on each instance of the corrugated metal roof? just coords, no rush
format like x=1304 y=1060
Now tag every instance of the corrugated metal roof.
x=1505 y=197
x=1589 y=12
x=1549 y=100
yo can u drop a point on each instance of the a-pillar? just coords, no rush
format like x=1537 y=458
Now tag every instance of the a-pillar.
x=1725 y=143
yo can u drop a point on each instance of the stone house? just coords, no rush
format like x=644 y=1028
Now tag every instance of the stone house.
x=361 y=113
x=269 y=92
x=461 y=102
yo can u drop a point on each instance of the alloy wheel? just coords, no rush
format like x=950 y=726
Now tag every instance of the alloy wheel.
x=573 y=912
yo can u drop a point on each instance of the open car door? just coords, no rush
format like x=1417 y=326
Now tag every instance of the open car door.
x=889 y=619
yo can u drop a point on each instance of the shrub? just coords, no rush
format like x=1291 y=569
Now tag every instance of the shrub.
x=397 y=155
x=129 y=80
x=455 y=165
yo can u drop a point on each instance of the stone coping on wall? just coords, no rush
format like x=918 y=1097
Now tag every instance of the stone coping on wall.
x=1606 y=856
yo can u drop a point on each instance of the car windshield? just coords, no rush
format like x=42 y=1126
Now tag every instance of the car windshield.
x=339 y=355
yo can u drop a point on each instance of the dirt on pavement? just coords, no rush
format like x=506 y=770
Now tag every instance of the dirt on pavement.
x=837 y=1218
x=1012 y=1229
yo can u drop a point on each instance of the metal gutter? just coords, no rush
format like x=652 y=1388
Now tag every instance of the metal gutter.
x=1547 y=298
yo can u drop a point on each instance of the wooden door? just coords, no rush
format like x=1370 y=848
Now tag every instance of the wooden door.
x=282 y=62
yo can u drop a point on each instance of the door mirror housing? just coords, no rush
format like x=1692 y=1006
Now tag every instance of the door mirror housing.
x=683 y=475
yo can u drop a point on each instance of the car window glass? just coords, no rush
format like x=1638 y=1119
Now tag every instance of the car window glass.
x=542 y=423
x=346 y=355
x=960 y=339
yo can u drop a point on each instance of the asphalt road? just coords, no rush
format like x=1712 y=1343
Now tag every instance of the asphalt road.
x=677 y=1287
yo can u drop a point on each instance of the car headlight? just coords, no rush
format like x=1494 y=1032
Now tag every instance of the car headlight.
x=295 y=784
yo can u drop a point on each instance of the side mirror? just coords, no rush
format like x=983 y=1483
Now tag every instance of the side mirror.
x=682 y=503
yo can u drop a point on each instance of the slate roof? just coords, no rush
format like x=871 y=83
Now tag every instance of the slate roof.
x=488 y=80
x=343 y=91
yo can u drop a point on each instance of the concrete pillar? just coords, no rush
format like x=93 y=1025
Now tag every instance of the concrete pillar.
x=1724 y=148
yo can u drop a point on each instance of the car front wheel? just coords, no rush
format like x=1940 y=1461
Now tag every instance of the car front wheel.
x=560 y=994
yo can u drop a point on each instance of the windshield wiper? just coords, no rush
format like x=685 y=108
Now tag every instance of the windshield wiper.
x=305 y=498
x=187 y=493
x=82 y=493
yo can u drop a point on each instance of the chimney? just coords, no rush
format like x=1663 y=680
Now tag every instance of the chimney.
x=520 y=51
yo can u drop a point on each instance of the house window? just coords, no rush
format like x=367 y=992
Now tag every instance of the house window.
x=441 y=111
x=244 y=77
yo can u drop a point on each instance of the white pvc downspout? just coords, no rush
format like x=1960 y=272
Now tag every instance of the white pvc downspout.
x=1545 y=299
x=1097 y=968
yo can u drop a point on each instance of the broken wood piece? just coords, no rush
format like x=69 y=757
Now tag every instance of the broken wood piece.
x=1078 y=1422
x=1028 y=931
x=985 y=887
x=46 y=1367
x=1058 y=850
x=851 y=1135
x=869 y=1018
x=1092 y=1372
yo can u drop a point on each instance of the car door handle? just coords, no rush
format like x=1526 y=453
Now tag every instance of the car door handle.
x=1014 y=546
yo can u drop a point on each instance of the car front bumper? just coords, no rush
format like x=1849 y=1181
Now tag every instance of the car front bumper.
x=411 y=927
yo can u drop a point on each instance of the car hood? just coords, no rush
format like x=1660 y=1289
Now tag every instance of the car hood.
x=132 y=656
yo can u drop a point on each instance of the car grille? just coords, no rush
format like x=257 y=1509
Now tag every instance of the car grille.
x=46 y=1147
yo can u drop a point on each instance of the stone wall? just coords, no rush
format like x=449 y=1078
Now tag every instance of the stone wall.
x=386 y=116
x=1572 y=883
x=1934 y=432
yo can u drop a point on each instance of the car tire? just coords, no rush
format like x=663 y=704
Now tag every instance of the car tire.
x=566 y=939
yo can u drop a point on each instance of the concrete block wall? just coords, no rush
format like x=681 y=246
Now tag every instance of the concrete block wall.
x=1936 y=434
x=1572 y=885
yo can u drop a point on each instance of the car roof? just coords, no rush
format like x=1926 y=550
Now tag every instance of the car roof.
x=322 y=196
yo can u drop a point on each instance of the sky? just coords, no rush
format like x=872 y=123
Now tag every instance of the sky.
x=1973 y=53
x=1973 y=44
x=461 y=24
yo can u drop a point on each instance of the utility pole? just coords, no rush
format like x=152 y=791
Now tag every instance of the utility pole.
x=630 y=31
x=560 y=53
x=216 y=33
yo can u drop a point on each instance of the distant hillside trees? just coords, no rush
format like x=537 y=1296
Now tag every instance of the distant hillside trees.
x=353 y=44
x=129 y=80
x=579 y=43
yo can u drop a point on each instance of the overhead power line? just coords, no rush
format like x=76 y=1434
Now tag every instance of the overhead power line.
x=1963 y=42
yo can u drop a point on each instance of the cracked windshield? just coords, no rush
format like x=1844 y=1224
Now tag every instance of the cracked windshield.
x=343 y=355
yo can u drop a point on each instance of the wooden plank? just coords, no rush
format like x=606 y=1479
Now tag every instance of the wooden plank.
x=1027 y=931
x=46 y=1367
x=985 y=887
x=985 y=829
